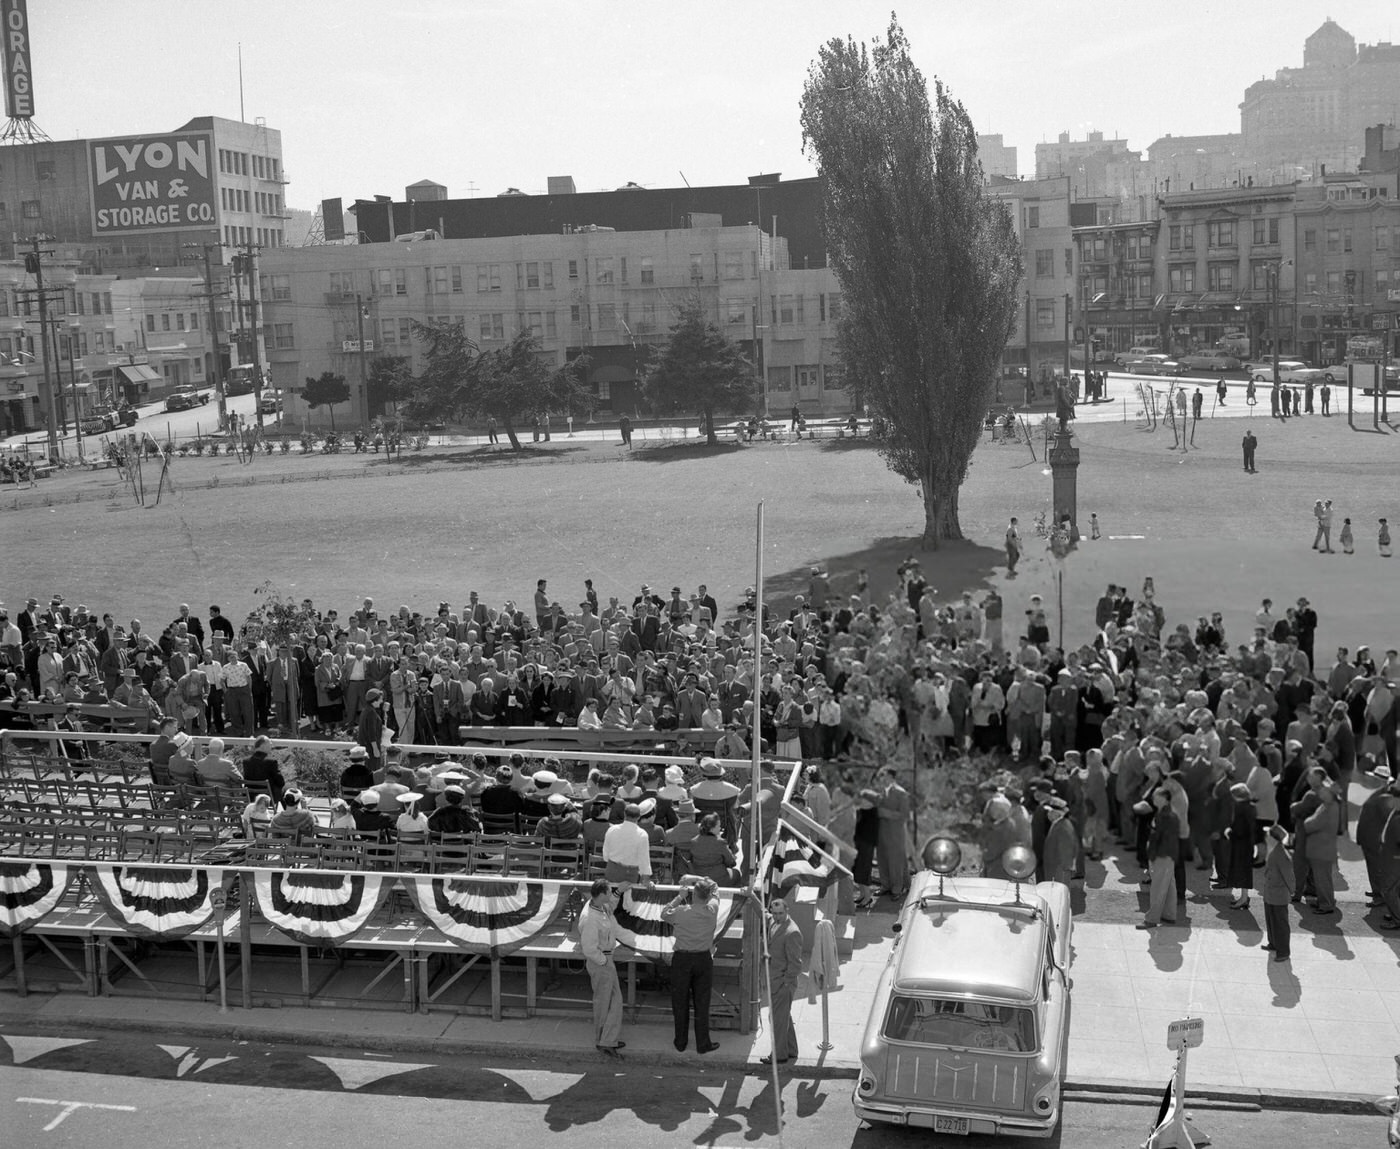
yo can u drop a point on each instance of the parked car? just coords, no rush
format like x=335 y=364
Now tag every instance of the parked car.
x=1301 y=374
x=1133 y=354
x=1155 y=365
x=1209 y=361
x=270 y=405
x=183 y=398
x=968 y=1032
x=1262 y=370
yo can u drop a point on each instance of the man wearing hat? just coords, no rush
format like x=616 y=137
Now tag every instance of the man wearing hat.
x=1061 y=841
x=627 y=850
x=1239 y=836
x=121 y=695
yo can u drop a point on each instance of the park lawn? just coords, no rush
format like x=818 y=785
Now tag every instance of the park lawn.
x=1212 y=537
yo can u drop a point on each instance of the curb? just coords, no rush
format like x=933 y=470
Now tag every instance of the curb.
x=1109 y=1089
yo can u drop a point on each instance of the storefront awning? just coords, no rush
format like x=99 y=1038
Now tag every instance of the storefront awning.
x=140 y=374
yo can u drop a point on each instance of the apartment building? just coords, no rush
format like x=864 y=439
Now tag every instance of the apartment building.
x=610 y=295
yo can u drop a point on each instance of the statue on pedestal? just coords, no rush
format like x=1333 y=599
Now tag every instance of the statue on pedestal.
x=1064 y=406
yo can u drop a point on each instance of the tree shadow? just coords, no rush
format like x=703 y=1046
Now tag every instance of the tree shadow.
x=680 y=451
x=487 y=456
x=954 y=567
x=848 y=444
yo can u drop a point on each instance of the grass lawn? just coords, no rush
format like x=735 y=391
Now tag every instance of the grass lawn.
x=448 y=521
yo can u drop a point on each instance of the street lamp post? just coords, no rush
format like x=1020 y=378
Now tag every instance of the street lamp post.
x=73 y=330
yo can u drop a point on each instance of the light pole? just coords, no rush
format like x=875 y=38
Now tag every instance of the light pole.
x=73 y=330
x=218 y=371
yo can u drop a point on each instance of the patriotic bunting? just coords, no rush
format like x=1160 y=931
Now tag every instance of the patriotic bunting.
x=317 y=907
x=641 y=927
x=494 y=917
x=28 y=892
x=797 y=862
x=156 y=903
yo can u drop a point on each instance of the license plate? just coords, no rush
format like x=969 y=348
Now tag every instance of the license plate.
x=954 y=1125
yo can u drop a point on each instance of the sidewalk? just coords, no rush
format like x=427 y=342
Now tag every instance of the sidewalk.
x=1315 y=1033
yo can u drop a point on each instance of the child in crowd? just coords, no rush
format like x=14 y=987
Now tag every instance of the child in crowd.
x=1348 y=541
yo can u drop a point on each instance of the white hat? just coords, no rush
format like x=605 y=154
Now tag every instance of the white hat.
x=410 y=797
x=557 y=800
x=647 y=807
x=182 y=740
x=369 y=798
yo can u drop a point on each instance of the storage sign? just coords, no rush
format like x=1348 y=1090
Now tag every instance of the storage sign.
x=19 y=88
x=153 y=183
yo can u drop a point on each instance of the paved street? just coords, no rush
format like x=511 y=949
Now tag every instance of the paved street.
x=240 y=1094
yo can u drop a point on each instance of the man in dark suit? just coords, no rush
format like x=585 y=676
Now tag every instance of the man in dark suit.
x=284 y=680
x=732 y=695
x=646 y=627
x=690 y=703
x=28 y=621
x=192 y=624
x=706 y=599
x=486 y=704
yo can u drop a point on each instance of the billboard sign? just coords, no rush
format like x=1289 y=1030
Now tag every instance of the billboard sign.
x=19 y=88
x=332 y=220
x=153 y=183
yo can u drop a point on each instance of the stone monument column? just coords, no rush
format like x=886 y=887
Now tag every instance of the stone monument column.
x=1064 y=469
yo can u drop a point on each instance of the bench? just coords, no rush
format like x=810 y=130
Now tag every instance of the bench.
x=99 y=464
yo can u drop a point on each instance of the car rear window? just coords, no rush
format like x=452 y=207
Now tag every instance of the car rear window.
x=968 y=1024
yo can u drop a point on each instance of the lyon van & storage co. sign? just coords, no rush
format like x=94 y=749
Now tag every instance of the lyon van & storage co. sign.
x=153 y=183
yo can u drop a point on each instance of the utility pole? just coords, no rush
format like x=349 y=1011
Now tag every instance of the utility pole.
x=73 y=382
x=363 y=404
x=33 y=263
x=252 y=270
x=211 y=295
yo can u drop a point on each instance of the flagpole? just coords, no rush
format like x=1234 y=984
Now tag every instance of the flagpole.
x=755 y=843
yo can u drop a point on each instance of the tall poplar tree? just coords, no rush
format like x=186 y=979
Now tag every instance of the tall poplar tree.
x=929 y=264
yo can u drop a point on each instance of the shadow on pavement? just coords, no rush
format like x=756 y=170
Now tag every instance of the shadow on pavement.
x=679 y=452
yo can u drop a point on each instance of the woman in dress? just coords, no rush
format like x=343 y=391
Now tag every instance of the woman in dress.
x=328 y=704
x=710 y=856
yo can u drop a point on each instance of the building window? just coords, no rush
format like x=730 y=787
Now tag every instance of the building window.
x=547 y=274
x=194 y=320
x=787 y=309
x=1044 y=264
x=575 y=313
x=1069 y=261
x=603 y=269
x=1334 y=240
x=527 y=276
x=1221 y=277
x=488 y=277
x=534 y=322
x=648 y=320
x=1188 y=237
x=165 y=321
x=391 y=281
x=1382 y=239
x=607 y=316
x=1220 y=233
x=31 y=209
x=733 y=265
x=648 y=272
x=1100 y=248
x=697 y=267
x=282 y=287
x=1032 y=217
x=493 y=326
x=780 y=378
x=1174 y=237
x=388 y=332
x=1346 y=239
x=1310 y=282
x=1309 y=239
x=1045 y=315
x=444 y=280
x=282 y=338
x=736 y=311
x=622 y=269
x=808 y=376
x=179 y=321
x=1334 y=282
x=1259 y=276
x=834 y=377
x=573 y=269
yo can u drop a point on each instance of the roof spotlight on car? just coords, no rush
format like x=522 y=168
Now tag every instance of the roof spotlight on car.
x=943 y=856
x=1019 y=864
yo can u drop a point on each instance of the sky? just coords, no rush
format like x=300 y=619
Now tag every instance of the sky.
x=482 y=95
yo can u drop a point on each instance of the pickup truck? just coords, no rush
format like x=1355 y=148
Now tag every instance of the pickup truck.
x=183 y=398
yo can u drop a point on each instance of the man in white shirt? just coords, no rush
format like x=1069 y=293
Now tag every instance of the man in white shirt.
x=214 y=701
x=238 y=697
x=356 y=684
x=627 y=844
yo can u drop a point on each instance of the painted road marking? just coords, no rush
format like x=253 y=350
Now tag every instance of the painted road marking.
x=69 y=1107
x=27 y=1048
x=355 y=1074
x=1125 y=536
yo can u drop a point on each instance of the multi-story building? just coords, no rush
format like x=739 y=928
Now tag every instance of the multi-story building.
x=1094 y=166
x=610 y=295
x=1348 y=264
x=1118 y=290
x=997 y=159
x=1308 y=118
x=98 y=350
x=126 y=203
x=1040 y=209
x=1191 y=163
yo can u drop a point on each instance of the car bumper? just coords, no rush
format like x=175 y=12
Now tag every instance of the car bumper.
x=923 y=1117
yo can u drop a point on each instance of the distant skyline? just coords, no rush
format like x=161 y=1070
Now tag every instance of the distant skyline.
x=481 y=95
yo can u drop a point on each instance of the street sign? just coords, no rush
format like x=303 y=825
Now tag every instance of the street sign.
x=354 y=345
x=218 y=898
x=1186 y=1033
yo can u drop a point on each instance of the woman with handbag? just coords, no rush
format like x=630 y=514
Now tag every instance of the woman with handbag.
x=329 y=708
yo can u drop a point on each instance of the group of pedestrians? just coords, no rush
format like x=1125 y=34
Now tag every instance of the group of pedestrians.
x=1322 y=539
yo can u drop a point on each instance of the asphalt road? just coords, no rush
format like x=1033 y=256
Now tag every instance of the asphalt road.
x=155 y=421
x=122 y=1091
